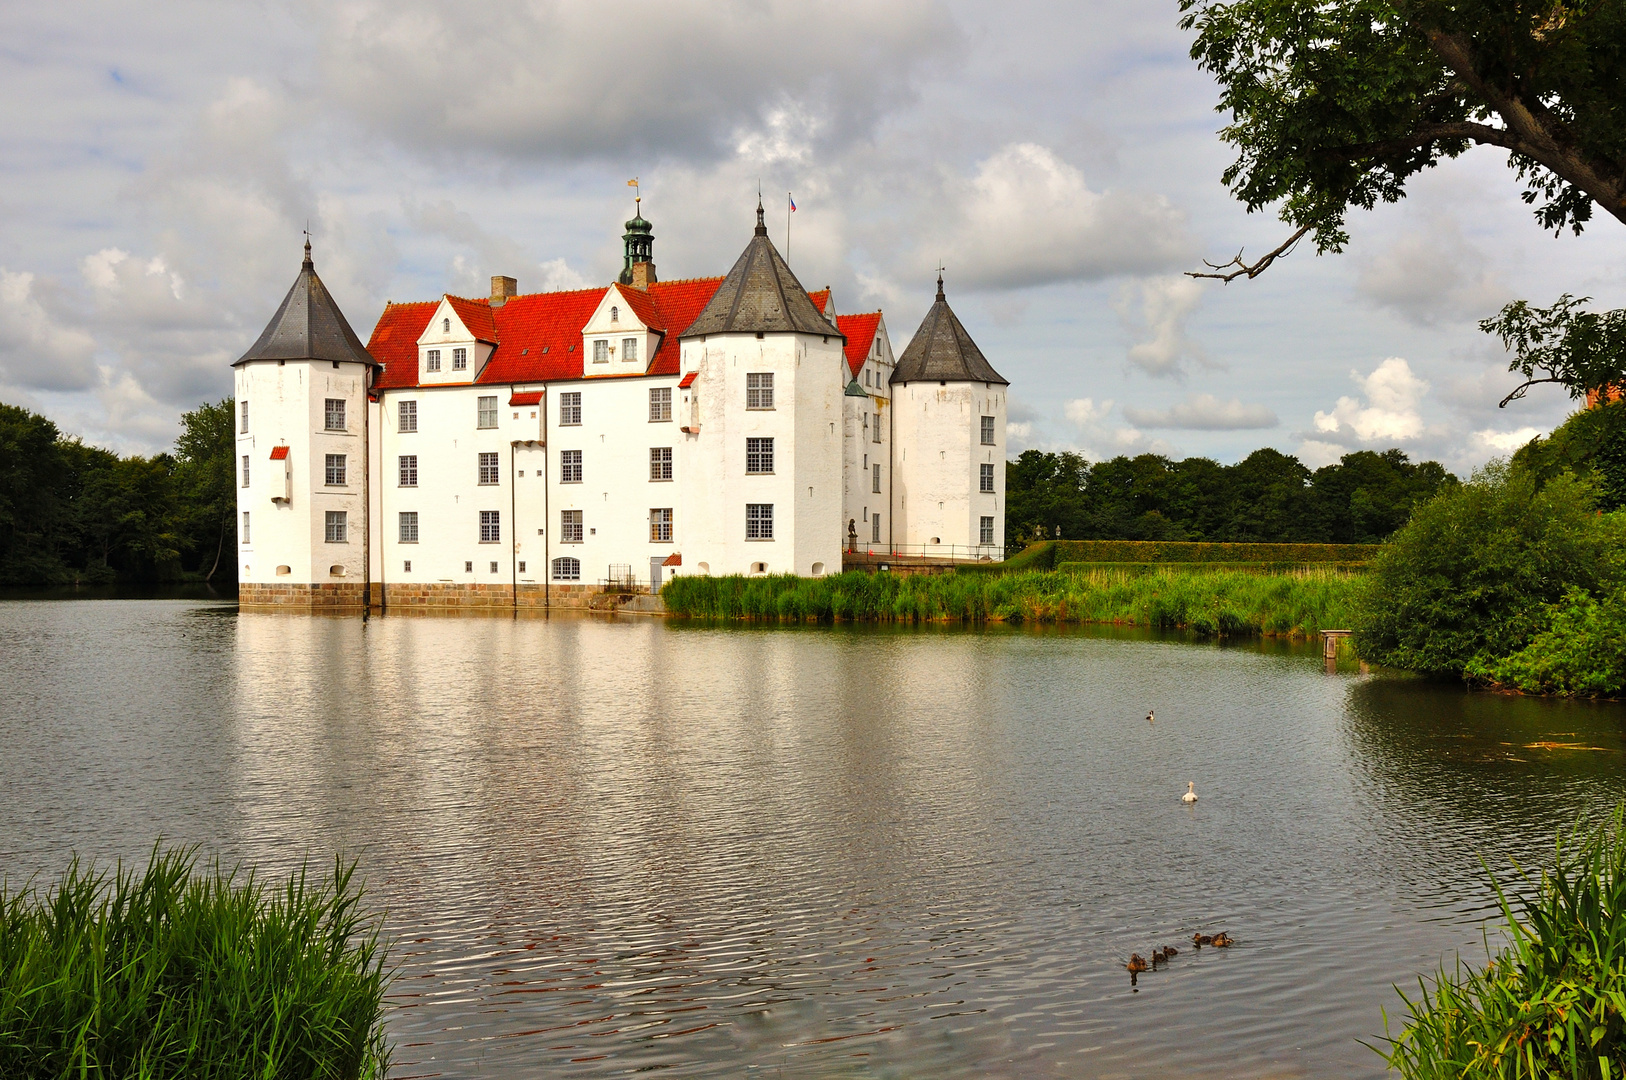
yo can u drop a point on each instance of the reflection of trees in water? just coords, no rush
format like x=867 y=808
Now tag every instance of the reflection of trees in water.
x=1453 y=776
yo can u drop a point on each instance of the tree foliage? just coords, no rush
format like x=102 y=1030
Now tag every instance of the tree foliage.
x=1590 y=444
x=1582 y=351
x=1336 y=104
x=1269 y=497
x=1470 y=578
x=72 y=513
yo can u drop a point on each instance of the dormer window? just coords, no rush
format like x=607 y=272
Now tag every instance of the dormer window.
x=446 y=326
x=432 y=360
x=460 y=359
x=615 y=314
x=601 y=351
x=629 y=349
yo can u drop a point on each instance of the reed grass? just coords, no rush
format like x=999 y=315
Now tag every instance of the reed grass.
x=1551 y=1003
x=1213 y=603
x=190 y=971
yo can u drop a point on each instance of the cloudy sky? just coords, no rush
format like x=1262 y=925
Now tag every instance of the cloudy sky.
x=1059 y=158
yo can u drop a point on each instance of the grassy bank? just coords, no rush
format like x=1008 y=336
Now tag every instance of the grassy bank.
x=1208 y=603
x=1551 y=1003
x=189 y=971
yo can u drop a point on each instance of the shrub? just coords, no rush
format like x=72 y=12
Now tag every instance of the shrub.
x=1469 y=578
x=1580 y=653
x=178 y=972
x=1180 y=551
x=1548 y=1005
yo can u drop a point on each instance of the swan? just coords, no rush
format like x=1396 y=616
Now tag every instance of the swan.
x=1191 y=792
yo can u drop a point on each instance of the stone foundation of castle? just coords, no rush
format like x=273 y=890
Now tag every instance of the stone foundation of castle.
x=344 y=598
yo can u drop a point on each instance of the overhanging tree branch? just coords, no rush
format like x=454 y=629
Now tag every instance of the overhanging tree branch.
x=1217 y=271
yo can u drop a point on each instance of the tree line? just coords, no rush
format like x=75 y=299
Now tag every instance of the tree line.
x=1268 y=497
x=77 y=514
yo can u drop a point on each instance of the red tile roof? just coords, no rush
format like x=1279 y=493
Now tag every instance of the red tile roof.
x=538 y=337
x=821 y=299
x=688 y=380
x=477 y=317
x=279 y=453
x=860 y=331
x=525 y=397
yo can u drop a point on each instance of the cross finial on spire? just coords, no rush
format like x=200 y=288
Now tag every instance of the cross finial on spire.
x=940 y=270
x=308 y=265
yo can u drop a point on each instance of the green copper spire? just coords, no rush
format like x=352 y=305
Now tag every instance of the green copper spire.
x=639 y=242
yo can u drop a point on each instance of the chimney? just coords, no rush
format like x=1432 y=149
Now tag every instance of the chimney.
x=502 y=288
x=643 y=275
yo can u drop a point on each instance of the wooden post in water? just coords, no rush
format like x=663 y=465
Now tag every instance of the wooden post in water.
x=1329 y=647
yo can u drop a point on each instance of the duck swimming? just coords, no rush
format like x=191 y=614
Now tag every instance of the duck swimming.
x=1200 y=940
x=1191 y=792
x=1223 y=940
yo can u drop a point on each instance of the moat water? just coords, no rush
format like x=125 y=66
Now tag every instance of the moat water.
x=609 y=847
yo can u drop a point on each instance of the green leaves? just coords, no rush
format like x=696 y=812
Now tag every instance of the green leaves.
x=1581 y=350
x=1336 y=104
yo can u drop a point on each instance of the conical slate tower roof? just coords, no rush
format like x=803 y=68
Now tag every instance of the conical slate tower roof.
x=760 y=294
x=308 y=326
x=941 y=351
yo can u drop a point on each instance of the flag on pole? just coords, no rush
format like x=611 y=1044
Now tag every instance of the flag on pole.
x=792 y=202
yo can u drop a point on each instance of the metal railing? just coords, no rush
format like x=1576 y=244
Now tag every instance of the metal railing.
x=956 y=552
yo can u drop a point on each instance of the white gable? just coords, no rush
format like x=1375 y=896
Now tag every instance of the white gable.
x=615 y=340
x=447 y=350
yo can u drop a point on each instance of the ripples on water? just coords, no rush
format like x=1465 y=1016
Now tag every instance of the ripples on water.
x=611 y=847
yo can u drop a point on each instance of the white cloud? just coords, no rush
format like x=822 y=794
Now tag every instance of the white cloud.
x=1026 y=217
x=496 y=254
x=1155 y=311
x=1504 y=442
x=40 y=348
x=1390 y=411
x=1085 y=411
x=1432 y=274
x=1315 y=453
x=646 y=78
x=1205 y=412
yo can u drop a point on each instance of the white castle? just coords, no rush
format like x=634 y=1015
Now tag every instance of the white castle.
x=526 y=451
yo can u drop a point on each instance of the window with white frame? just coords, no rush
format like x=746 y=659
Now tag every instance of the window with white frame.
x=875 y=482
x=460 y=359
x=570 y=409
x=431 y=360
x=335 y=470
x=759 y=390
x=615 y=313
x=242 y=408
x=488 y=469
x=522 y=566
x=333 y=414
x=660 y=463
x=407 y=414
x=985 y=478
x=490 y=527
x=407 y=521
x=486 y=416
x=245 y=527
x=875 y=429
x=570 y=526
x=406 y=566
x=567 y=569
x=245 y=470
x=629 y=349
x=759 y=455
x=407 y=470
x=985 y=534
x=988 y=431
x=337 y=528
x=601 y=351
x=660 y=404
x=759 y=521
x=446 y=326
x=468 y=566
x=875 y=528
x=660 y=525
x=570 y=466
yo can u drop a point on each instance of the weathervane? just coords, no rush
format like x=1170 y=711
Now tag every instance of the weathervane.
x=637 y=195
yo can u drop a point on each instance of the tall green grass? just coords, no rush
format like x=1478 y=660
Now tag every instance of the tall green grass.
x=1207 y=603
x=1551 y=1003
x=189 y=971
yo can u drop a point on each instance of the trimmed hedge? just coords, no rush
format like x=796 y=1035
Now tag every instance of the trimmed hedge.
x=1048 y=554
x=1256 y=567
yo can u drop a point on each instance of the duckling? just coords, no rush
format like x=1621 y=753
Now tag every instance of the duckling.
x=1222 y=940
x=1191 y=792
x=1158 y=957
x=1136 y=964
x=1170 y=950
x=1200 y=940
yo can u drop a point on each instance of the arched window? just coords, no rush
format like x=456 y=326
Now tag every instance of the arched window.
x=567 y=569
x=615 y=314
x=446 y=326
